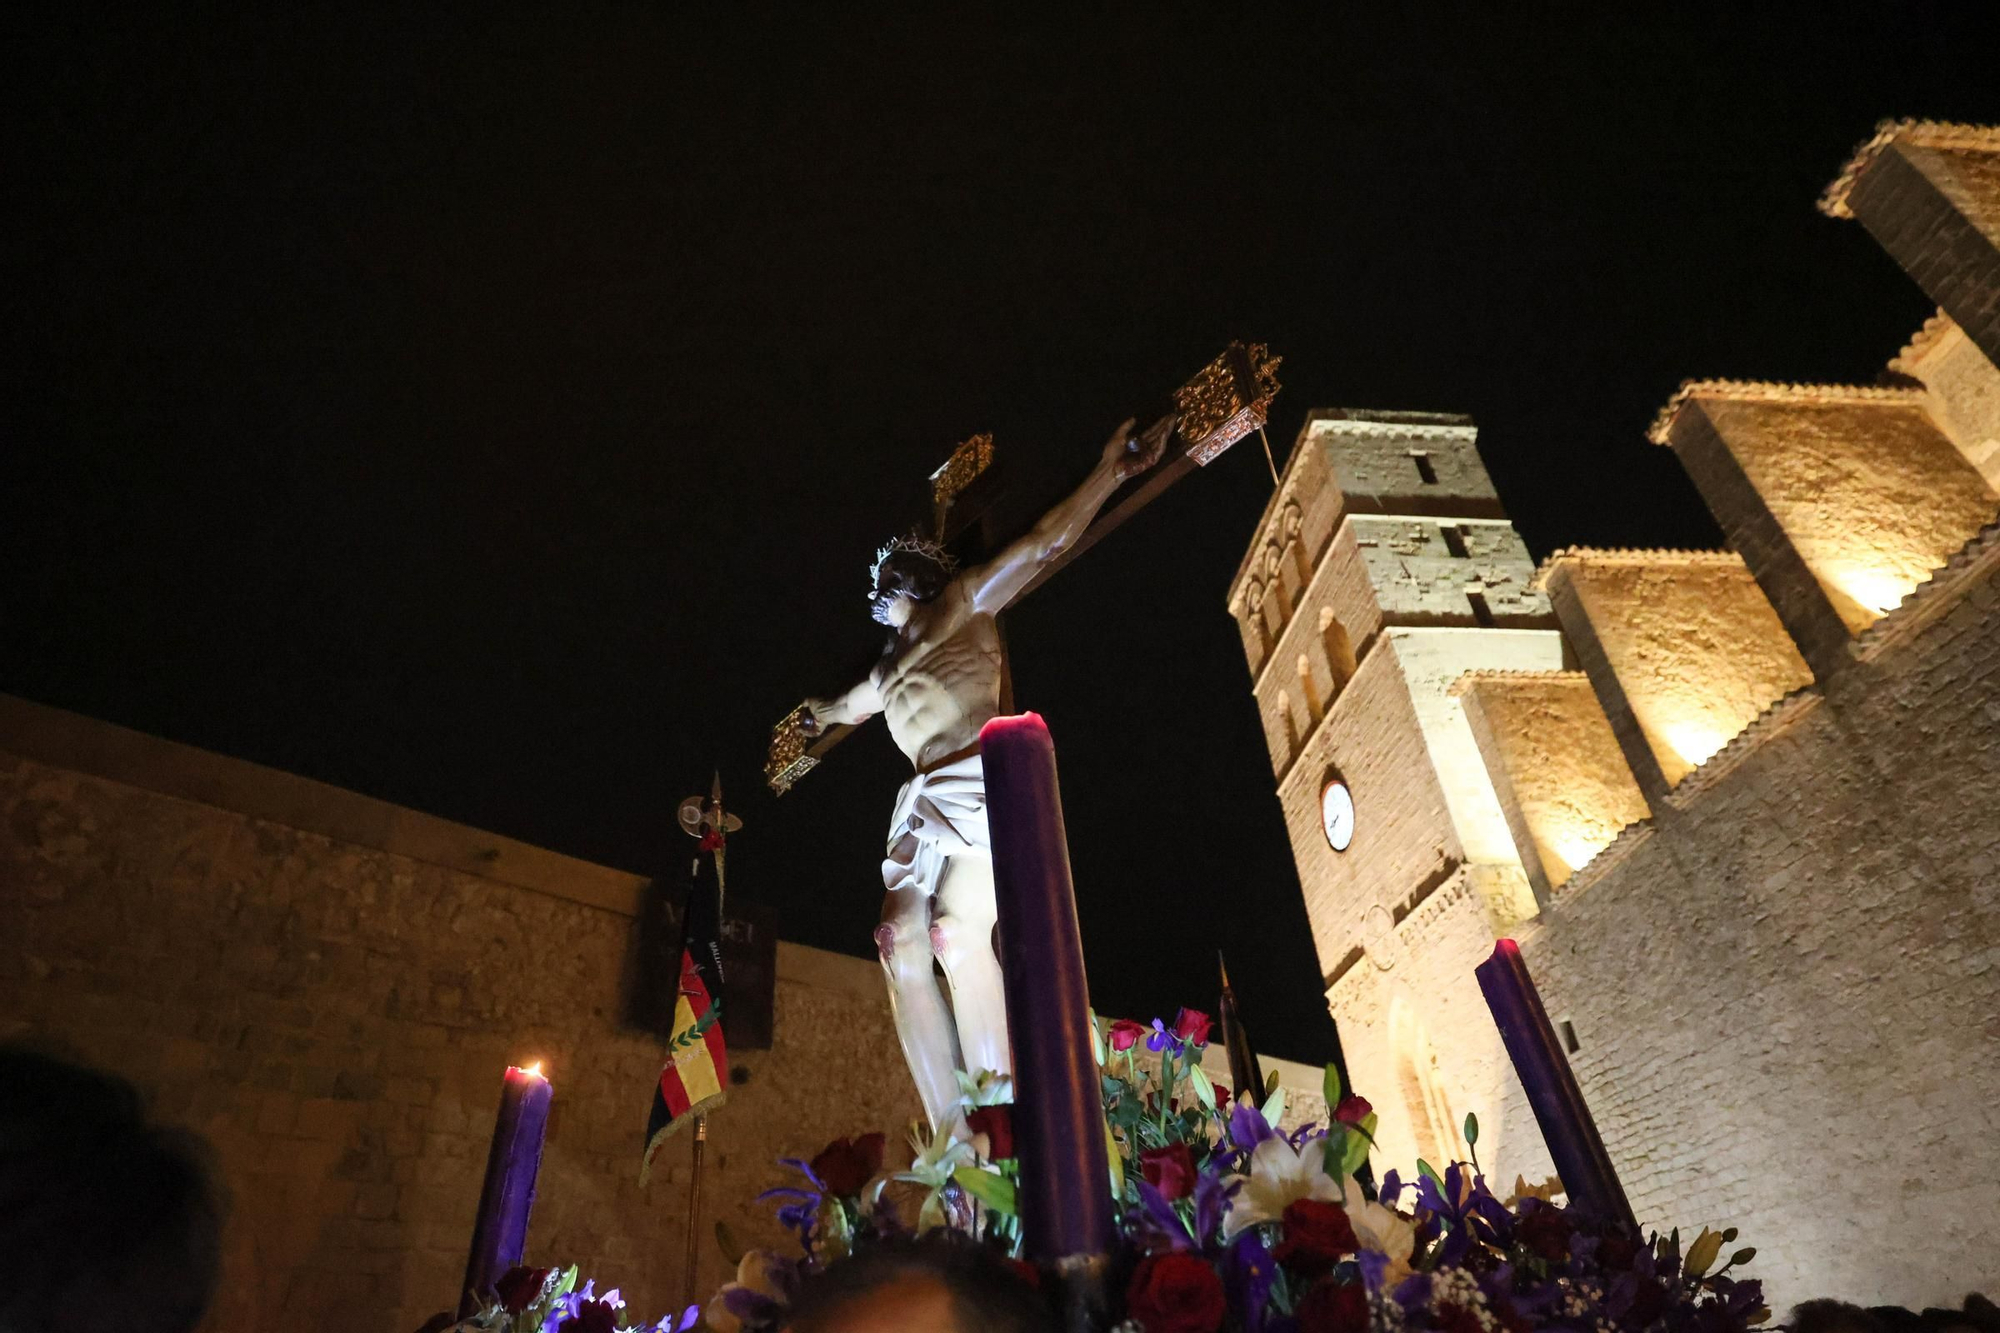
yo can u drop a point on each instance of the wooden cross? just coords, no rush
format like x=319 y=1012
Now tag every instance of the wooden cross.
x=1229 y=398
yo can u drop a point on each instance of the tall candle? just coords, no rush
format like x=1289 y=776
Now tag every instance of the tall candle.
x=1064 y=1191
x=1579 y=1155
x=500 y=1230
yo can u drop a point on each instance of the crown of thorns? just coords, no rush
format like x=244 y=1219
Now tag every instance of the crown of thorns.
x=914 y=544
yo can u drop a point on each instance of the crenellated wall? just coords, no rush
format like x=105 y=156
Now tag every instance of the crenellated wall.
x=1557 y=770
x=1962 y=390
x=1681 y=646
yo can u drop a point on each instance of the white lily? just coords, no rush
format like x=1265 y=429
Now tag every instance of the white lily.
x=1381 y=1229
x=936 y=1157
x=986 y=1089
x=1279 y=1176
x=753 y=1272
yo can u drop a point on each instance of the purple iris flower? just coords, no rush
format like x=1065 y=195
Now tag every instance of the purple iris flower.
x=1162 y=1039
x=1248 y=1128
x=1392 y=1185
x=1213 y=1194
x=802 y=1214
x=1156 y=1218
x=1248 y=1272
x=1413 y=1293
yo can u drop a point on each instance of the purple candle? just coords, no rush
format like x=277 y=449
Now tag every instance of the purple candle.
x=1578 y=1153
x=1065 y=1190
x=500 y=1231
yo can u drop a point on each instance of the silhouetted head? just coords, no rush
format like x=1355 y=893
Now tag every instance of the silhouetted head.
x=908 y=571
x=107 y=1222
x=943 y=1281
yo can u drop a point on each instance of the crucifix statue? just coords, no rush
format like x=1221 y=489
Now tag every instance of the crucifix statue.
x=939 y=679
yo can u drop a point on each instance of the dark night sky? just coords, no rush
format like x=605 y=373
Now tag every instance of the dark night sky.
x=495 y=414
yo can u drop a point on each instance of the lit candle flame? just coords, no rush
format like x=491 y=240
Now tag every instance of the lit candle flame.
x=534 y=1069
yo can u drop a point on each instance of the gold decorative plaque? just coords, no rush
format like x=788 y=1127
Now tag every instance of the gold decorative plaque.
x=1229 y=398
x=959 y=471
x=787 y=760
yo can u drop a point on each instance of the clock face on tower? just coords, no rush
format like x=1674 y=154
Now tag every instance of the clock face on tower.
x=1336 y=814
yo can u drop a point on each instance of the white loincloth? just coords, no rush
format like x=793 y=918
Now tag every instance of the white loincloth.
x=939 y=814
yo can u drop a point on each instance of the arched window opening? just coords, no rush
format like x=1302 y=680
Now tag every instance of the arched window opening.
x=1339 y=652
x=1288 y=726
x=1309 y=689
x=1279 y=605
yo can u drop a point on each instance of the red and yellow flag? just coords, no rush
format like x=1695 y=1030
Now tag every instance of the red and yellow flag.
x=692 y=1082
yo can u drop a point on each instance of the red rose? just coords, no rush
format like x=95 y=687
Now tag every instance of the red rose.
x=1352 y=1110
x=1617 y=1251
x=845 y=1165
x=1544 y=1231
x=997 y=1124
x=1334 y=1307
x=1027 y=1272
x=1191 y=1026
x=1170 y=1170
x=1648 y=1303
x=1125 y=1034
x=1175 y=1292
x=591 y=1317
x=1316 y=1235
x=1455 y=1318
x=518 y=1287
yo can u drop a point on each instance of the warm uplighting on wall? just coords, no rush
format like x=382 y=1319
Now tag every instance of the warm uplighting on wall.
x=1694 y=742
x=1576 y=851
x=1879 y=590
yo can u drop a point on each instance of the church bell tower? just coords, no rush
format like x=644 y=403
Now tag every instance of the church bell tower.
x=1383 y=569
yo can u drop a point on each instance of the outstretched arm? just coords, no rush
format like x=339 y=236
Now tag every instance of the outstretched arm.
x=995 y=584
x=855 y=706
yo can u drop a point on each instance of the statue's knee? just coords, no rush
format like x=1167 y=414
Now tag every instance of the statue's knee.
x=901 y=948
x=953 y=938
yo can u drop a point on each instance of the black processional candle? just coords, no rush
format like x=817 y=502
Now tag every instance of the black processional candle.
x=500 y=1230
x=1065 y=1185
x=1578 y=1153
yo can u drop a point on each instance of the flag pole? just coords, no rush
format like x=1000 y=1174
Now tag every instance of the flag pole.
x=718 y=826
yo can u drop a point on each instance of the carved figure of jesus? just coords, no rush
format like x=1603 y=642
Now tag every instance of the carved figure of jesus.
x=937 y=684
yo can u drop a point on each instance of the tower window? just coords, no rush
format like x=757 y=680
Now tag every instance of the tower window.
x=1570 y=1043
x=1481 y=612
x=1454 y=540
x=1422 y=458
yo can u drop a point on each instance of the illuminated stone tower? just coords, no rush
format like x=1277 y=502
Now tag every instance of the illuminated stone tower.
x=1384 y=569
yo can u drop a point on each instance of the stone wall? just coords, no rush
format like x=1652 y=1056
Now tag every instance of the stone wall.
x=1556 y=766
x=329 y=987
x=335 y=1017
x=1787 y=990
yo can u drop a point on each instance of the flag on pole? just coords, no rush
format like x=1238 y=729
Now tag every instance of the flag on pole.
x=691 y=1083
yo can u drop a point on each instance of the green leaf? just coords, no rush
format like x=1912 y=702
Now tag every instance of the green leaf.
x=1203 y=1089
x=1330 y=1087
x=1274 y=1105
x=1742 y=1256
x=1471 y=1129
x=1702 y=1253
x=731 y=1249
x=566 y=1283
x=1427 y=1170
x=996 y=1192
x=1354 y=1151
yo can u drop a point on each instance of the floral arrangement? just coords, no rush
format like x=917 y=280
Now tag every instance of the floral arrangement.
x=547 y=1300
x=1231 y=1223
